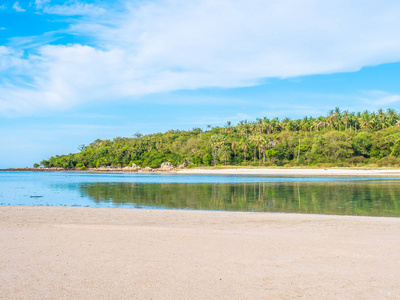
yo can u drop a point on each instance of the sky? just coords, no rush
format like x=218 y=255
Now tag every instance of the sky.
x=75 y=71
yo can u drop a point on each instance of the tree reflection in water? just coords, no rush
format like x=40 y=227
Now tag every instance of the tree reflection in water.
x=367 y=198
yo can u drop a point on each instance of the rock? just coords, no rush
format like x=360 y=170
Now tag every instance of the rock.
x=134 y=168
x=148 y=169
x=182 y=166
x=166 y=166
x=115 y=167
x=131 y=169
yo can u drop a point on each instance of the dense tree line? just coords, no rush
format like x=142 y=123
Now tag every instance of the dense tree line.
x=340 y=138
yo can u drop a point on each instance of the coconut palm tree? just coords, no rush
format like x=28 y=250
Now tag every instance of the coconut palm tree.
x=286 y=123
x=217 y=141
x=266 y=124
x=264 y=147
x=245 y=147
x=228 y=128
x=346 y=116
x=260 y=124
x=392 y=116
x=233 y=147
x=331 y=118
x=225 y=152
x=366 y=121
x=338 y=116
x=257 y=142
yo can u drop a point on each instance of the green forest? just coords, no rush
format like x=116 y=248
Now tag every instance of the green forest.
x=341 y=139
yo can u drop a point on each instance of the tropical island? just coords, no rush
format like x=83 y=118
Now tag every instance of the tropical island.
x=339 y=139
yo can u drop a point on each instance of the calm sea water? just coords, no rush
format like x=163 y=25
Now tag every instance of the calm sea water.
x=373 y=196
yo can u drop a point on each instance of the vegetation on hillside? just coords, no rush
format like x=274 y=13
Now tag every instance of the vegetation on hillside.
x=341 y=138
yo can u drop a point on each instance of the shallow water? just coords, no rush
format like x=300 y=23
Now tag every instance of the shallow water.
x=374 y=196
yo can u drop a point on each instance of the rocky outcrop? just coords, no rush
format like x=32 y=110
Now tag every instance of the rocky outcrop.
x=36 y=169
x=133 y=168
x=166 y=167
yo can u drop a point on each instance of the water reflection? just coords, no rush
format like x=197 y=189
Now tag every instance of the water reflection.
x=374 y=198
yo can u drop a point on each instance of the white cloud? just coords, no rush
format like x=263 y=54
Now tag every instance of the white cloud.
x=73 y=9
x=169 y=45
x=40 y=3
x=377 y=99
x=17 y=7
x=10 y=58
x=3 y=6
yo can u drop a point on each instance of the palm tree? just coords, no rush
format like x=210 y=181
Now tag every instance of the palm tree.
x=253 y=127
x=391 y=114
x=274 y=124
x=233 y=147
x=331 y=118
x=246 y=127
x=346 y=116
x=260 y=124
x=257 y=142
x=245 y=147
x=228 y=128
x=225 y=154
x=339 y=123
x=217 y=141
x=338 y=116
x=266 y=124
x=366 y=120
x=286 y=123
x=264 y=147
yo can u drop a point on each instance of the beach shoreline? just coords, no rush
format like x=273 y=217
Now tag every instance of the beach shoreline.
x=232 y=171
x=103 y=253
x=295 y=172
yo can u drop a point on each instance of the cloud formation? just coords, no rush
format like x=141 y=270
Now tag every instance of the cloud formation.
x=163 y=46
x=17 y=7
x=377 y=99
x=73 y=9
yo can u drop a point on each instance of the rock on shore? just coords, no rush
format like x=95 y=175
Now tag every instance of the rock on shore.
x=165 y=167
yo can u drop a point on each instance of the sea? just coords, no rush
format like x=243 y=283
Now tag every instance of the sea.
x=332 y=195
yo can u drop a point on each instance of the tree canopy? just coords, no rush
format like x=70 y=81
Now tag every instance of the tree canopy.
x=341 y=138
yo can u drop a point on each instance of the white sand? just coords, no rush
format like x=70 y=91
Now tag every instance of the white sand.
x=92 y=253
x=295 y=172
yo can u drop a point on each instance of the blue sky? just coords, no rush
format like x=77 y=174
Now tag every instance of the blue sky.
x=75 y=71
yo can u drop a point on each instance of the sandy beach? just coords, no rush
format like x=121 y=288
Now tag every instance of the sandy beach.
x=232 y=171
x=95 y=253
x=296 y=172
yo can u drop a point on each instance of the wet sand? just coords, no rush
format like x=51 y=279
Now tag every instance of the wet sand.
x=296 y=172
x=97 y=253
